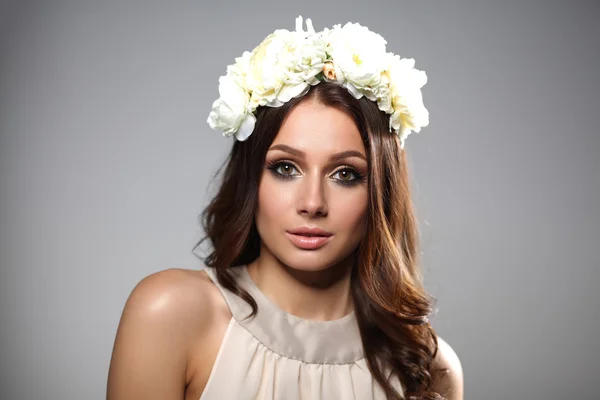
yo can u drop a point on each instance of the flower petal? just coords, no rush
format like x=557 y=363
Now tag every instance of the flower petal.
x=246 y=128
x=288 y=92
x=353 y=90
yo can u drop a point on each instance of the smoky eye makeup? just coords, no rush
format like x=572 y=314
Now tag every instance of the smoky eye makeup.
x=345 y=171
x=345 y=175
x=281 y=169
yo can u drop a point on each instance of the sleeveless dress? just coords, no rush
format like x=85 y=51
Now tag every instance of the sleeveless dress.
x=279 y=356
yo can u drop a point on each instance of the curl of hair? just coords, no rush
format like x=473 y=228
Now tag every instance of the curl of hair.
x=391 y=305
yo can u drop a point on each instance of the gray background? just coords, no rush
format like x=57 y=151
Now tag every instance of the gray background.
x=106 y=157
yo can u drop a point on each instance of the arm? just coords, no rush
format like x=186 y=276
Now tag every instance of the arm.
x=149 y=359
x=448 y=379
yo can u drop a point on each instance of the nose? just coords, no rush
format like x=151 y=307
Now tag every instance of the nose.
x=312 y=200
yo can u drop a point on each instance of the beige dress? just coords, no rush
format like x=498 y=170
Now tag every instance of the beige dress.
x=276 y=355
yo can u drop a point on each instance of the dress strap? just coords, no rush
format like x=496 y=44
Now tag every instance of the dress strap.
x=238 y=307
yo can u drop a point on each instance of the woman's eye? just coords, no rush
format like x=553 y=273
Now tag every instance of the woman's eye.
x=285 y=168
x=345 y=175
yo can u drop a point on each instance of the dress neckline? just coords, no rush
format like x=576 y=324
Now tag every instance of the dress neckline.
x=310 y=341
x=263 y=300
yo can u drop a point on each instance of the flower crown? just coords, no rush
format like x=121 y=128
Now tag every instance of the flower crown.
x=286 y=64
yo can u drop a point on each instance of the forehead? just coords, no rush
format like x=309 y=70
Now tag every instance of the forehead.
x=318 y=129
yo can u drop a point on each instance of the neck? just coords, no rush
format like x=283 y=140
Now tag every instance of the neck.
x=323 y=295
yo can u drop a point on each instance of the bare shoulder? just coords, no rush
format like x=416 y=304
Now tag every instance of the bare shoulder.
x=174 y=296
x=448 y=377
x=165 y=317
x=176 y=291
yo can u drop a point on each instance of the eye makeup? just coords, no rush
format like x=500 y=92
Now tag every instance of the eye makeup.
x=274 y=168
x=277 y=166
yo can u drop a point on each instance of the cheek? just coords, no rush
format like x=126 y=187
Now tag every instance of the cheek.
x=273 y=202
x=352 y=213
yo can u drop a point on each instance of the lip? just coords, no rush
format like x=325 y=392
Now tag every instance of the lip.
x=309 y=238
x=308 y=231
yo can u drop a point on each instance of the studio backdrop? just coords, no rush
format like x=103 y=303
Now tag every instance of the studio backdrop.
x=106 y=163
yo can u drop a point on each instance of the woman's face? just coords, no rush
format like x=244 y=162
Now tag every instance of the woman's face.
x=315 y=176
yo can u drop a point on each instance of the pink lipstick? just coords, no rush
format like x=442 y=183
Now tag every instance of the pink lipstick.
x=309 y=238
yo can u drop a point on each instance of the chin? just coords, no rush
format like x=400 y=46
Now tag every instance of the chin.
x=303 y=260
x=299 y=265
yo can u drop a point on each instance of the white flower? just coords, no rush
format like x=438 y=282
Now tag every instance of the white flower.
x=230 y=112
x=240 y=69
x=409 y=113
x=304 y=56
x=286 y=64
x=266 y=74
x=358 y=56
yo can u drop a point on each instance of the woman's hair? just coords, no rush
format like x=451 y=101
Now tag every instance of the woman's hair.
x=391 y=305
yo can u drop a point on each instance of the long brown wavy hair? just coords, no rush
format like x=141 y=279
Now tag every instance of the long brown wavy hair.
x=391 y=305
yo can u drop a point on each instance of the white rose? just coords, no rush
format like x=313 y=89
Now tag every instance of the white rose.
x=230 y=112
x=409 y=113
x=300 y=58
x=266 y=73
x=359 y=56
x=240 y=69
x=304 y=55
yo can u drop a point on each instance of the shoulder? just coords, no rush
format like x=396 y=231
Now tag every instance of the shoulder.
x=173 y=295
x=447 y=377
x=165 y=316
x=175 y=287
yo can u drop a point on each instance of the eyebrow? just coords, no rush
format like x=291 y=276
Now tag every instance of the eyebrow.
x=302 y=155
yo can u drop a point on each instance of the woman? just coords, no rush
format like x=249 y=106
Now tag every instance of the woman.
x=312 y=289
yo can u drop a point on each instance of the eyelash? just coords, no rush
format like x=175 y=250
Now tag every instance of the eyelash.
x=274 y=166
